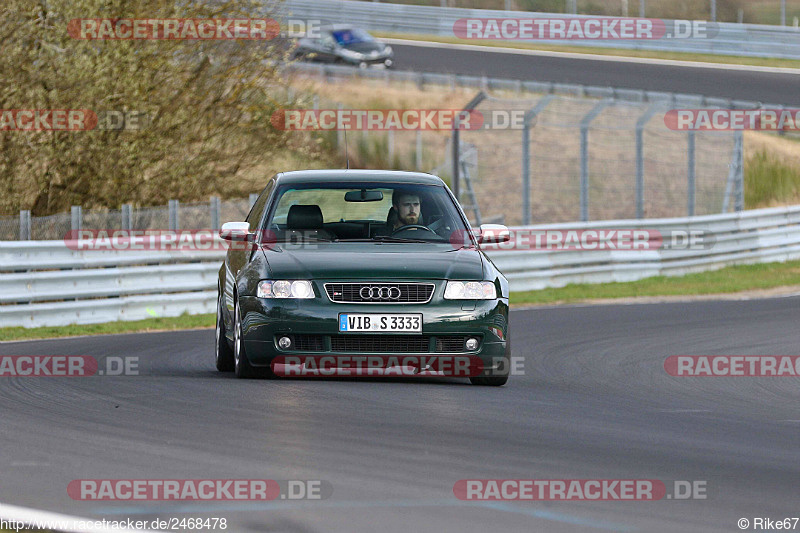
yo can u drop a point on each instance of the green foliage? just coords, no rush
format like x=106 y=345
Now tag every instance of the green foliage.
x=207 y=105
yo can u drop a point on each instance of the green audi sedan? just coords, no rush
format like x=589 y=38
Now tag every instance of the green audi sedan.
x=334 y=272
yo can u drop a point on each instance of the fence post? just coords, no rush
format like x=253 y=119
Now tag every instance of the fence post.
x=691 y=173
x=640 y=124
x=733 y=187
x=214 y=208
x=174 y=220
x=127 y=217
x=24 y=225
x=585 y=123
x=340 y=138
x=76 y=218
x=739 y=194
x=456 y=157
x=530 y=115
x=642 y=8
x=472 y=104
x=390 y=146
x=418 y=154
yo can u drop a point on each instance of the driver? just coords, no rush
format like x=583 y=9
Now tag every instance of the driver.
x=407 y=209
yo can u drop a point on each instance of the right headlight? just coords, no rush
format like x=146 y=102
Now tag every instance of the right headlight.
x=470 y=290
x=301 y=289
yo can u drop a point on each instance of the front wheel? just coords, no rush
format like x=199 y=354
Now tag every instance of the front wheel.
x=496 y=378
x=223 y=352
x=242 y=367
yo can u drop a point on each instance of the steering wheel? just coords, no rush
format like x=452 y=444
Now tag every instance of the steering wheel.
x=413 y=226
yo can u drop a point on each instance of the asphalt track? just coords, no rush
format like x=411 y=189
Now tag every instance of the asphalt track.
x=772 y=87
x=594 y=403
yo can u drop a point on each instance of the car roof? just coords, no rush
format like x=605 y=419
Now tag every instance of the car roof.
x=351 y=175
x=338 y=27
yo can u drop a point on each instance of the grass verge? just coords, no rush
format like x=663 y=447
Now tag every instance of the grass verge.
x=134 y=326
x=725 y=281
x=595 y=50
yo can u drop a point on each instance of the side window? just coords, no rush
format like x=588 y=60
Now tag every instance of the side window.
x=257 y=211
x=327 y=41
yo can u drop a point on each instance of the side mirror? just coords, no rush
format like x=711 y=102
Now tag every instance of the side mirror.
x=236 y=231
x=494 y=233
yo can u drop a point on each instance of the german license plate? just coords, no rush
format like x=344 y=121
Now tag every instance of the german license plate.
x=381 y=322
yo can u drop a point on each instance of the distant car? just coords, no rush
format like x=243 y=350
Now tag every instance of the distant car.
x=360 y=262
x=344 y=44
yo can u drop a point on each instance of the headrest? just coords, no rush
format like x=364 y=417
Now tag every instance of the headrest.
x=304 y=217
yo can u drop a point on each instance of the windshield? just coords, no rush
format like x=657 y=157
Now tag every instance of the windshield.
x=351 y=36
x=351 y=212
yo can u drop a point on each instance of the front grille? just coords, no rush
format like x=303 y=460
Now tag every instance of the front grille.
x=389 y=293
x=454 y=343
x=380 y=343
x=308 y=343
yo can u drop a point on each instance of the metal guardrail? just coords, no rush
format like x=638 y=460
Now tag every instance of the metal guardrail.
x=46 y=283
x=732 y=39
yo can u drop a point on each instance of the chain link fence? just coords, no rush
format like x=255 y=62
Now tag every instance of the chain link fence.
x=579 y=158
x=191 y=216
x=577 y=154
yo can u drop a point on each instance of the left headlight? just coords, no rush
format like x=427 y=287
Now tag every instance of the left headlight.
x=301 y=289
x=470 y=290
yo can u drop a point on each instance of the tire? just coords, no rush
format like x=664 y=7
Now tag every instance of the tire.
x=223 y=351
x=242 y=367
x=496 y=379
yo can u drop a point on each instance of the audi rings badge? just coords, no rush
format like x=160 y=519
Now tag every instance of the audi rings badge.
x=379 y=293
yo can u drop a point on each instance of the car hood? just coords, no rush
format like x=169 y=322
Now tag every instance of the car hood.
x=374 y=261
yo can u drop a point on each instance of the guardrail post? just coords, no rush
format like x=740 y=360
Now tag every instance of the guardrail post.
x=174 y=220
x=76 y=218
x=585 y=123
x=530 y=115
x=214 y=208
x=713 y=11
x=25 y=225
x=691 y=185
x=253 y=198
x=640 y=124
x=127 y=217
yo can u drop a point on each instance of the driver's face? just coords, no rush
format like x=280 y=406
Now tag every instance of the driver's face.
x=408 y=210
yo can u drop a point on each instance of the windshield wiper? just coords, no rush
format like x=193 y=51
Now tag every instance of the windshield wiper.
x=385 y=238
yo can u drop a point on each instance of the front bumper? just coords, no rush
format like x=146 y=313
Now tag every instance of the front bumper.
x=265 y=320
x=370 y=60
